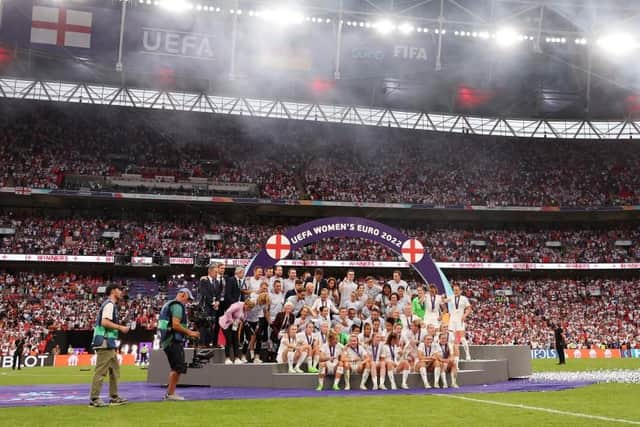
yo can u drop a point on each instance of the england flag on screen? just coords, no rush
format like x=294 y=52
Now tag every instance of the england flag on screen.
x=61 y=27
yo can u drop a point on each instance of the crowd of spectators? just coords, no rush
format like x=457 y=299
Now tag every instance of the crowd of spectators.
x=505 y=310
x=185 y=238
x=42 y=146
x=35 y=305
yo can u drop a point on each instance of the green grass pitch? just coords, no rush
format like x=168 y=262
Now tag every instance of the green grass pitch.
x=600 y=404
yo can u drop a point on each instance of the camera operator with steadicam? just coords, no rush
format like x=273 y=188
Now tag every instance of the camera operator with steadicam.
x=209 y=290
x=173 y=326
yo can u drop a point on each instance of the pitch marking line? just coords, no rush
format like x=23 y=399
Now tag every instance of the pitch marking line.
x=537 y=408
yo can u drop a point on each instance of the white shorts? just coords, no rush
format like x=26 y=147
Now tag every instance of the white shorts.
x=355 y=366
x=456 y=325
x=331 y=367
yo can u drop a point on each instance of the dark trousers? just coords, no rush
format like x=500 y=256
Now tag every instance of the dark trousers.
x=560 y=351
x=216 y=328
x=17 y=360
x=231 y=337
x=206 y=335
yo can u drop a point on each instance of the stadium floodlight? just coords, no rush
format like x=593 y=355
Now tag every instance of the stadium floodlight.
x=405 y=28
x=506 y=37
x=283 y=16
x=175 y=5
x=617 y=44
x=384 y=26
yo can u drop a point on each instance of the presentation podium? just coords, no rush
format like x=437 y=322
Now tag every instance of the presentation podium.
x=490 y=364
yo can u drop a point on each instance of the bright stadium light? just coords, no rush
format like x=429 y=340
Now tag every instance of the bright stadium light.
x=384 y=26
x=405 y=28
x=617 y=44
x=175 y=5
x=282 y=16
x=506 y=37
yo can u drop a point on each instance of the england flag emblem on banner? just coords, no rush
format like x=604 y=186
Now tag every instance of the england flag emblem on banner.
x=61 y=27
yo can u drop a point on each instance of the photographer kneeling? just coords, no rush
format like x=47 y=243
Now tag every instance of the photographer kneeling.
x=173 y=324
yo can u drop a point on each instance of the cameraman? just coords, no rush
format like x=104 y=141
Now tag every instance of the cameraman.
x=173 y=329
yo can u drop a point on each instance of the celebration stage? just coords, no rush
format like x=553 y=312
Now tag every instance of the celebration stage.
x=490 y=365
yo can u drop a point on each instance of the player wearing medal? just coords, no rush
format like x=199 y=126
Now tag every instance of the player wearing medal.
x=378 y=365
x=289 y=352
x=433 y=310
x=446 y=356
x=427 y=362
x=307 y=344
x=412 y=339
x=394 y=361
x=357 y=361
x=331 y=362
x=461 y=308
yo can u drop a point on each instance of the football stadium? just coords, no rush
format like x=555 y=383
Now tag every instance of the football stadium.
x=319 y=212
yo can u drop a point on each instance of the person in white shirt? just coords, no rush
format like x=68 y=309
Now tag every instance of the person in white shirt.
x=323 y=333
x=407 y=317
x=331 y=362
x=277 y=275
x=427 y=362
x=378 y=365
x=357 y=360
x=347 y=287
x=372 y=289
x=308 y=344
x=322 y=301
x=403 y=297
x=289 y=352
x=252 y=284
x=304 y=318
x=309 y=296
x=394 y=361
x=276 y=298
x=397 y=281
x=323 y=316
x=433 y=308
x=446 y=358
x=343 y=318
x=366 y=335
x=289 y=283
x=460 y=310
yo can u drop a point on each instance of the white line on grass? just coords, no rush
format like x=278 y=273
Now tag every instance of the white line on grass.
x=537 y=408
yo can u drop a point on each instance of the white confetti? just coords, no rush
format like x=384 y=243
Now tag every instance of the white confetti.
x=627 y=376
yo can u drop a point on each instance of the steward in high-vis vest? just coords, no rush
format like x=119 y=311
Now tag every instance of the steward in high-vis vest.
x=173 y=328
x=105 y=335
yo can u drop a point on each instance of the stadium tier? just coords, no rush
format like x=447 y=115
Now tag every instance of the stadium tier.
x=183 y=238
x=47 y=147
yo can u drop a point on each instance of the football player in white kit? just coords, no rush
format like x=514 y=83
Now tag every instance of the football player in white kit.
x=289 y=352
x=445 y=354
x=357 y=361
x=412 y=339
x=331 y=362
x=307 y=344
x=460 y=310
x=433 y=310
x=377 y=363
x=427 y=362
x=394 y=361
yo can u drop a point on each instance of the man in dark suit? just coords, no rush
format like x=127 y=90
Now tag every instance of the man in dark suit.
x=209 y=290
x=231 y=292
x=560 y=342
x=17 y=355
x=319 y=282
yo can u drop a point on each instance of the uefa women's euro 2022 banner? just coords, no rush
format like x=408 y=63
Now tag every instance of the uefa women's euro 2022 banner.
x=279 y=246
